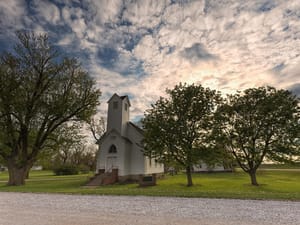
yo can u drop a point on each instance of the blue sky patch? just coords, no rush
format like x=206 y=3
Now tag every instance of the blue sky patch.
x=197 y=52
x=279 y=67
x=131 y=40
x=267 y=6
x=108 y=57
x=295 y=89
x=126 y=65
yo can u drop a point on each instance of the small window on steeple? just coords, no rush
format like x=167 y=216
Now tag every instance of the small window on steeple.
x=112 y=149
x=126 y=106
x=115 y=105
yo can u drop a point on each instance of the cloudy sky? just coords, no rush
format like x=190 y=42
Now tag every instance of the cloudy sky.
x=142 y=47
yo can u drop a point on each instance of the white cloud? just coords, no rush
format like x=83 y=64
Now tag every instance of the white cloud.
x=66 y=40
x=74 y=18
x=289 y=75
x=47 y=11
x=148 y=51
x=145 y=14
x=106 y=10
x=11 y=15
x=250 y=43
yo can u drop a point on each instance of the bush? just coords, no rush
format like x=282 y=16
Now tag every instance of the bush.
x=66 y=170
x=84 y=169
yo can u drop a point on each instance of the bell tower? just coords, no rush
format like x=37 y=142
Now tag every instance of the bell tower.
x=118 y=113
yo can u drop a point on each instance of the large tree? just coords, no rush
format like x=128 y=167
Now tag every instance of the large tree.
x=260 y=123
x=39 y=91
x=178 y=128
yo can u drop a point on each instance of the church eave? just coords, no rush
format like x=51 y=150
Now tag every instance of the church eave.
x=106 y=134
x=140 y=130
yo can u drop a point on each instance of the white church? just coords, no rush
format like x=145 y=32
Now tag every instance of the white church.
x=120 y=149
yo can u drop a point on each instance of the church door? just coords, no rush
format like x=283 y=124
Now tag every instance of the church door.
x=111 y=163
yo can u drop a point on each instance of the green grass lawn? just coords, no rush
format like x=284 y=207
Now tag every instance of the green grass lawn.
x=279 y=184
x=280 y=166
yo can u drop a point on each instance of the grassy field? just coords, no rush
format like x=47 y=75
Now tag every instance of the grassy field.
x=279 y=184
x=280 y=166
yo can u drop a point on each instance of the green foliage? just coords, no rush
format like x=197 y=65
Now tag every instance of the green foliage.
x=260 y=123
x=39 y=91
x=84 y=169
x=66 y=169
x=178 y=128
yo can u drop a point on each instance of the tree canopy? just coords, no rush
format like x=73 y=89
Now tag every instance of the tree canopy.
x=39 y=91
x=260 y=123
x=178 y=128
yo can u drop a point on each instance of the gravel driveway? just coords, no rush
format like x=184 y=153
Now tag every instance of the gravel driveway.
x=59 y=209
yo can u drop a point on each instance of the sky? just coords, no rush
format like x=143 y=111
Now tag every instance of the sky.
x=140 y=48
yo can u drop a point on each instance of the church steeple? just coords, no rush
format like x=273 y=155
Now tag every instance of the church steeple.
x=118 y=113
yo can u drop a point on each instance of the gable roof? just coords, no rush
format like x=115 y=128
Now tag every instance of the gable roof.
x=140 y=130
x=106 y=134
x=121 y=97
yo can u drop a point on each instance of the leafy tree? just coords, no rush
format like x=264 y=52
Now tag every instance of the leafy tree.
x=67 y=140
x=260 y=123
x=178 y=128
x=85 y=158
x=97 y=127
x=68 y=147
x=39 y=91
x=80 y=156
x=218 y=157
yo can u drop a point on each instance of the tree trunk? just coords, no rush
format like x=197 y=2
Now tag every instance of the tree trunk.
x=17 y=175
x=252 y=174
x=189 y=176
x=27 y=173
x=29 y=166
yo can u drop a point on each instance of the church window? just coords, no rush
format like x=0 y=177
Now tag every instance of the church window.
x=125 y=106
x=115 y=105
x=112 y=149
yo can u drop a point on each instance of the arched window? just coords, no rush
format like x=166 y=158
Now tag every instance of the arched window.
x=112 y=149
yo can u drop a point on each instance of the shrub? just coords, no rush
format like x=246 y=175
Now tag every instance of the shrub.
x=84 y=169
x=66 y=170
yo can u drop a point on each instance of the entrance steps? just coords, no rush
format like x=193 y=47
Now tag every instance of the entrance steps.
x=104 y=178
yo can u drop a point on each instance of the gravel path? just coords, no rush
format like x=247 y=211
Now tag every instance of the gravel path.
x=59 y=209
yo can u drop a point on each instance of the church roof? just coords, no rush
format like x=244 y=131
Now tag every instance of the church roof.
x=121 y=97
x=106 y=134
x=140 y=130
